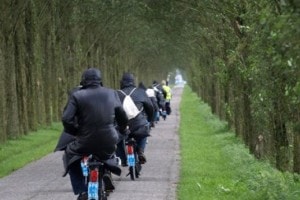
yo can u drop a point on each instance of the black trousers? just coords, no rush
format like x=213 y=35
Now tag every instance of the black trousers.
x=75 y=172
x=77 y=178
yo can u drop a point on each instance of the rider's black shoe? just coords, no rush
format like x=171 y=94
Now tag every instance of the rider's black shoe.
x=152 y=124
x=83 y=196
x=108 y=182
x=142 y=157
x=138 y=168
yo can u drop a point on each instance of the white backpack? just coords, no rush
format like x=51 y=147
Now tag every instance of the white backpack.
x=129 y=106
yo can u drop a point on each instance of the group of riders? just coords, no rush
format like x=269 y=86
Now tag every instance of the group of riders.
x=95 y=122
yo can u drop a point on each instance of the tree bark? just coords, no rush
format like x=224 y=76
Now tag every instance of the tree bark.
x=281 y=139
x=21 y=82
x=11 y=90
x=3 y=133
x=296 y=152
x=30 y=65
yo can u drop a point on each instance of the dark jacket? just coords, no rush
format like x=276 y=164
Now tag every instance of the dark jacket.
x=66 y=138
x=159 y=92
x=90 y=116
x=152 y=96
x=142 y=102
x=95 y=108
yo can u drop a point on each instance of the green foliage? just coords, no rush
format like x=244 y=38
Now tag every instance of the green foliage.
x=250 y=51
x=216 y=165
x=15 y=154
x=241 y=58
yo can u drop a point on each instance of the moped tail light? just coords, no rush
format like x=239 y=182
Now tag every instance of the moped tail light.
x=130 y=149
x=94 y=175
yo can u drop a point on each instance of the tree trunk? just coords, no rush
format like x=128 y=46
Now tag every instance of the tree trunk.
x=249 y=135
x=53 y=81
x=47 y=77
x=297 y=149
x=3 y=133
x=30 y=65
x=21 y=82
x=11 y=91
x=10 y=14
x=281 y=138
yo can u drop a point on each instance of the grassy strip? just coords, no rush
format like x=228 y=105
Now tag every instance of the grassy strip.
x=215 y=165
x=14 y=154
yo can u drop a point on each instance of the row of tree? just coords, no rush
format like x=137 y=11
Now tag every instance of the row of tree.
x=45 y=46
x=242 y=59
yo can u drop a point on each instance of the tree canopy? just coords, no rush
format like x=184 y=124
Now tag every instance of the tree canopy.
x=242 y=58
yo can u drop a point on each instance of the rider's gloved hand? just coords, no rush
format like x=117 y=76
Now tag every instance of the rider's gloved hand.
x=126 y=131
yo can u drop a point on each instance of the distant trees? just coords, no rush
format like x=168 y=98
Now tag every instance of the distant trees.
x=241 y=58
x=45 y=46
x=243 y=61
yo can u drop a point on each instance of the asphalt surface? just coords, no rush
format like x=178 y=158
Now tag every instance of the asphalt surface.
x=43 y=179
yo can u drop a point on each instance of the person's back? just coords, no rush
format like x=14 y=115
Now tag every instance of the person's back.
x=138 y=126
x=96 y=116
x=94 y=107
x=140 y=99
x=167 y=90
x=90 y=115
x=159 y=93
x=167 y=96
x=151 y=94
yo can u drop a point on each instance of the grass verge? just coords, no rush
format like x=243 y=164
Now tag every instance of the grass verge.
x=15 y=154
x=216 y=165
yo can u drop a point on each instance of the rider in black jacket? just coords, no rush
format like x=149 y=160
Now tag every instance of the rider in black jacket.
x=90 y=115
x=138 y=126
x=160 y=95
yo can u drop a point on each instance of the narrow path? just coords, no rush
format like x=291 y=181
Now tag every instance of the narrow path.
x=42 y=179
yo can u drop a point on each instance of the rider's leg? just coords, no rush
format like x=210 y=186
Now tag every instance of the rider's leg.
x=77 y=178
x=107 y=179
x=141 y=145
x=120 y=152
x=108 y=182
x=168 y=108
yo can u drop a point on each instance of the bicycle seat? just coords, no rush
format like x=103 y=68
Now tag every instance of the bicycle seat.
x=111 y=164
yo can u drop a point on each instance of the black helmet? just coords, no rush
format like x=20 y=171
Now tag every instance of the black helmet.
x=91 y=76
x=127 y=80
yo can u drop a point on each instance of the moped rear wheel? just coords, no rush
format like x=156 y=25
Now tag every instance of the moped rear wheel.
x=103 y=197
x=132 y=172
x=102 y=193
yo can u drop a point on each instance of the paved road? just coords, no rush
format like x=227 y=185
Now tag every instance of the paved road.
x=42 y=179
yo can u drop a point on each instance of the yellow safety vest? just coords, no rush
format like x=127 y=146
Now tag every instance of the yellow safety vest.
x=168 y=91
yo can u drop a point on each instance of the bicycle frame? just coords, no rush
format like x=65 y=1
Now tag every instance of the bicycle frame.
x=132 y=159
x=93 y=170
